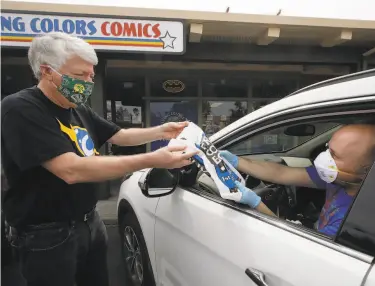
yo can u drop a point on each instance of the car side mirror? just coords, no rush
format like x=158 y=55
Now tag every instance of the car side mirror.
x=156 y=182
x=300 y=130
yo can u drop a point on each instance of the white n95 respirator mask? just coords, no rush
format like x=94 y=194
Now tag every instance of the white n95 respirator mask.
x=326 y=166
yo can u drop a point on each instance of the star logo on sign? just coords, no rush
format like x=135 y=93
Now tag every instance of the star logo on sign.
x=168 y=40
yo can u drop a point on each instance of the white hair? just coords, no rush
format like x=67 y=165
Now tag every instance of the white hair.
x=54 y=49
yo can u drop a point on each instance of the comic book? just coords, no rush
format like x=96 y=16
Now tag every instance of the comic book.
x=209 y=160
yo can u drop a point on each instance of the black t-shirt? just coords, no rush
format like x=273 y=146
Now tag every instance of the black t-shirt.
x=34 y=130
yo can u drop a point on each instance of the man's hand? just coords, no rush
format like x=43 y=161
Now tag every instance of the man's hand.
x=248 y=196
x=172 y=157
x=231 y=158
x=171 y=130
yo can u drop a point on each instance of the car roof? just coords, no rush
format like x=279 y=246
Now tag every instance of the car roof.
x=344 y=87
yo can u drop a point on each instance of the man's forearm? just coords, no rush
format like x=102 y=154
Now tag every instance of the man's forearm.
x=102 y=168
x=265 y=171
x=136 y=136
x=276 y=173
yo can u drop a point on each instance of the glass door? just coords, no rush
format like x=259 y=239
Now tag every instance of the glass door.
x=171 y=111
x=174 y=98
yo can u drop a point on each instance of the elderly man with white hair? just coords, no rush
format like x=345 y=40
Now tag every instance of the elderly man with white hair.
x=50 y=142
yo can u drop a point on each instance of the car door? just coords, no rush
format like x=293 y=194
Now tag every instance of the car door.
x=201 y=239
x=358 y=231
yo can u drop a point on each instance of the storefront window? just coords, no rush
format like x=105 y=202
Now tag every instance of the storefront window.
x=109 y=110
x=125 y=106
x=308 y=80
x=256 y=104
x=274 y=88
x=218 y=114
x=169 y=87
x=127 y=115
x=127 y=89
x=169 y=111
x=15 y=78
x=225 y=88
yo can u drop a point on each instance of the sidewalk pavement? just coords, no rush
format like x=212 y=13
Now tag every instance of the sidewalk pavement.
x=108 y=210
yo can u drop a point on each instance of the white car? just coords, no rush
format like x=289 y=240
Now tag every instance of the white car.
x=177 y=230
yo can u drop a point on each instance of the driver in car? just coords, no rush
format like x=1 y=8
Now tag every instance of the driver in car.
x=339 y=170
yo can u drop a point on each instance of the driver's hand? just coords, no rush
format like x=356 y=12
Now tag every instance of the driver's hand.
x=231 y=158
x=248 y=196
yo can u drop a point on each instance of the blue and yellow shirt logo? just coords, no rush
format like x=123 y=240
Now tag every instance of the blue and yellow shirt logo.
x=81 y=138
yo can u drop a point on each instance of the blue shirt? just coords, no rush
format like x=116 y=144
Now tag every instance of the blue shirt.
x=335 y=207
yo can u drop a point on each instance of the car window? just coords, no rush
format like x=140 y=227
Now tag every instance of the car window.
x=305 y=206
x=276 y=140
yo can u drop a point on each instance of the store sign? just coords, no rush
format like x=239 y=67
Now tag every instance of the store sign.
x=173 y=86
x=102 y=33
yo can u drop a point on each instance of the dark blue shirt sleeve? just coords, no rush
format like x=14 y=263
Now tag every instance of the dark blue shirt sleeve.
x=314 y=176
x=331 y=229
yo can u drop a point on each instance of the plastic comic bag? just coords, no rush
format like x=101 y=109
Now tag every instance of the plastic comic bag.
x=222 y=173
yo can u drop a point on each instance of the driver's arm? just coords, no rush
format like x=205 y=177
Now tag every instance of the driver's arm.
x=275 y=173
x=251 y=199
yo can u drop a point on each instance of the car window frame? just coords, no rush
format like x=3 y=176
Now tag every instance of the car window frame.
x=314 y=112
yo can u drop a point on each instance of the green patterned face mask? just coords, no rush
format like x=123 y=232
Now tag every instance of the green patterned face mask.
x=75 y=90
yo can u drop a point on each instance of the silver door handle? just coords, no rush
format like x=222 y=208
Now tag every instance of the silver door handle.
x=256 y=276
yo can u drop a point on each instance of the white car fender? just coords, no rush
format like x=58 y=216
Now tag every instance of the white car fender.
x=144 y=209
